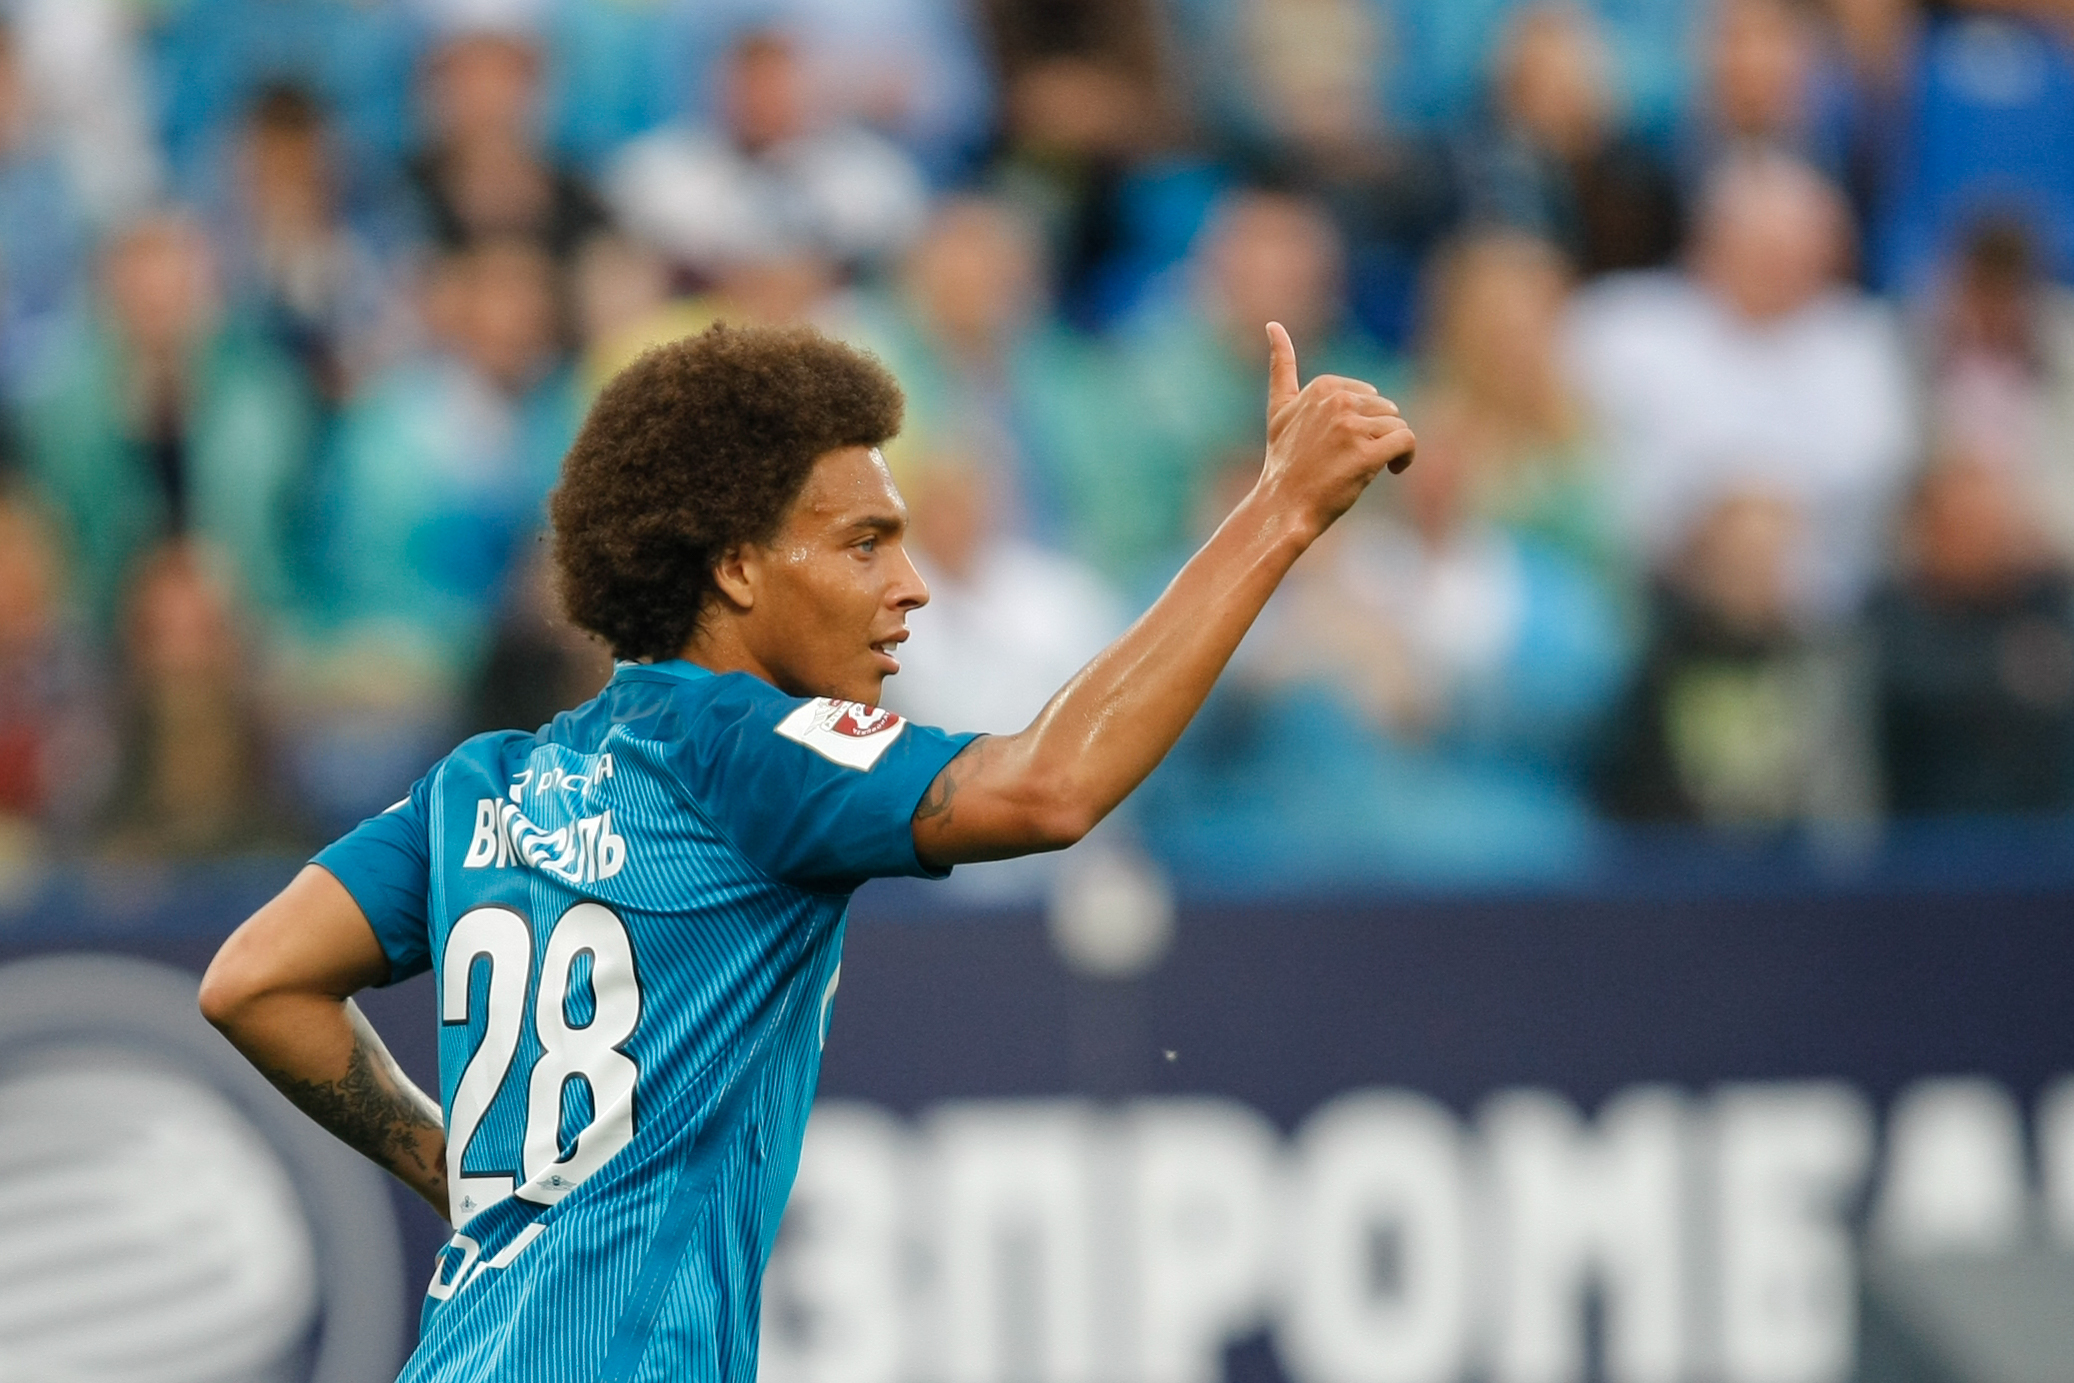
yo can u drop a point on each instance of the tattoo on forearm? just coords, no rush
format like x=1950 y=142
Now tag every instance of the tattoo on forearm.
x=373 y=1112
x=937 y=800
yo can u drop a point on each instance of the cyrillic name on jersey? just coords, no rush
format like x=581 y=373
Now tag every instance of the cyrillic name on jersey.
x=583 y=852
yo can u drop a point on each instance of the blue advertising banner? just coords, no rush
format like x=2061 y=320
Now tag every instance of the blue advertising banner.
x=1773 y=1132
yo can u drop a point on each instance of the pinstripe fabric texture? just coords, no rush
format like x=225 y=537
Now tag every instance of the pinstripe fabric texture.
x=627 y=914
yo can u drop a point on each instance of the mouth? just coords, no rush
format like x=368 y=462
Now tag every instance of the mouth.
x=883 y=650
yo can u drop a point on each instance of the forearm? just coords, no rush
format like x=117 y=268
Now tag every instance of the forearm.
x=321 y=1052
x=1110 y=726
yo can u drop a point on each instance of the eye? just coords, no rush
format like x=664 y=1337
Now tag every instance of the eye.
x=868 y=545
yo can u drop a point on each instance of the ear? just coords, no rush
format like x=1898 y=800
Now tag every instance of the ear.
x=737 y=575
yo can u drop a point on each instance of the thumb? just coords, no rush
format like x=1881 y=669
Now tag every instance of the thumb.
x=1281 y=368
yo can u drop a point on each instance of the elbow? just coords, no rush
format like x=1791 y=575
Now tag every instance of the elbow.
x=229 y=990
x=1060 y=819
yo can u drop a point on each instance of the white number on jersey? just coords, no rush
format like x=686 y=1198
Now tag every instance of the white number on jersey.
x=568 y=1052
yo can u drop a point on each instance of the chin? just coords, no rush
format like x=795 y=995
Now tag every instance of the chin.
x=865 y=691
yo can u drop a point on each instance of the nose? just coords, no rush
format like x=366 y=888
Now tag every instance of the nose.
x=908 y=590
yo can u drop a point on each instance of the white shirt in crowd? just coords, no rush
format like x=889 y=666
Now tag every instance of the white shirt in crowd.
x=988 y=652
x=844 y=192
x=1696 y=402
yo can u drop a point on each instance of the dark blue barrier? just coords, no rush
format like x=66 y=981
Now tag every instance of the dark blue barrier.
x=1753 y=1004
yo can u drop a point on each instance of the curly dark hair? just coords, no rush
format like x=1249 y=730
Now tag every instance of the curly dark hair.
x=699 y=446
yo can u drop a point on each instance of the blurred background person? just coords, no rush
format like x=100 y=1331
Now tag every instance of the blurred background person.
x=1434 y=657
x=484 y=172
x=1983 y=125
x=778 y=173
x=439 y=482
x=86 y=80
x=56 y=751
x=1309 y=114
x=1743 y=716
x=207 y=59
x=627 y=299
x=316 y=277
x=989 y=369
x=164 y=419
x=1008 y=621
x=44 y=226
x=1755 y=367
x=1765 y=86
x=1091 y=147
x=1554 y=160
x=1194 y=357
x=538 y=664
x=1974 y=647
x=195 y=776
x=1493 y=388
x=1996 y=351
x=913 y=70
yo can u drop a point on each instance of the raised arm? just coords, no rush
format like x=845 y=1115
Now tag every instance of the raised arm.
x=280 y=990
x=1110 y=726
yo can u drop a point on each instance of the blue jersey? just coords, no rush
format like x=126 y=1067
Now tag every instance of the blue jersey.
x=634 y=919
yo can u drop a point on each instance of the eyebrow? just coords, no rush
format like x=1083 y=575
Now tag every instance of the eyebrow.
x=880 y=523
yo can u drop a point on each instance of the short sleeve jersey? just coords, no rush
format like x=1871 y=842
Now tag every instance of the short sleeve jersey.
x=634 y=920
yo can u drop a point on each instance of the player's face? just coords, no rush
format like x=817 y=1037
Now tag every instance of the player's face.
x=836 y=584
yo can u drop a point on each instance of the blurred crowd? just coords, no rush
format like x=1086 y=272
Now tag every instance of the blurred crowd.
x=1733 y=332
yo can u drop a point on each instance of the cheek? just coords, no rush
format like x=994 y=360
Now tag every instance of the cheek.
x=826 y=601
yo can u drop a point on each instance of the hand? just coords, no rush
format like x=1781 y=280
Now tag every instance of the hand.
x=1326 y=440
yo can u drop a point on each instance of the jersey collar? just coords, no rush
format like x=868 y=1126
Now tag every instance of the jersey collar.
x=672 y=667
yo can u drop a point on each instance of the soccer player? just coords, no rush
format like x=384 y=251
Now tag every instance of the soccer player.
x=635 y=915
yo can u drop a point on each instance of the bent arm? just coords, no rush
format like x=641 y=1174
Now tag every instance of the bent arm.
x=280 y=989
x=1110 y=726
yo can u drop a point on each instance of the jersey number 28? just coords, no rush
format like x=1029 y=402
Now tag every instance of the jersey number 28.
x=569 y=1051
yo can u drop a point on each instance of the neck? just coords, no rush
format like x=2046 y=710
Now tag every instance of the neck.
x=717 y=645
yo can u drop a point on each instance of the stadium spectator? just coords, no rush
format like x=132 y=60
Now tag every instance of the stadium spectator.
x=1440 y=660
x=1308 y=117
x=1265 y=256
x=1493 y=389
x=539 y=664
x=622 y=301
x=441 y=469
x=84 y=77
x=483 y=173
x=911 y=69
x=1090 y=147
x=777 y=176
x=1754 y=369
x=163 y=418
x=194 y=773
x=314 y=279
x=1741 y=717
x=1766 y=87
x=1975 y=653
x=43 y=226
x=987 y=368
x=1008 y=621
x=1986 y=127
x=55 y=752
x=1999 y=362
x=1554 y=162
x=444 y=463
x=207 y=59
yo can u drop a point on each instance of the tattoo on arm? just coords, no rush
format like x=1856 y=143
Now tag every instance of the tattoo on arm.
x=937 y=800
x=374 y=1109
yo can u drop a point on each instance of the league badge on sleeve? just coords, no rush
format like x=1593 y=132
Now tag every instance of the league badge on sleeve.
x=844 y=732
